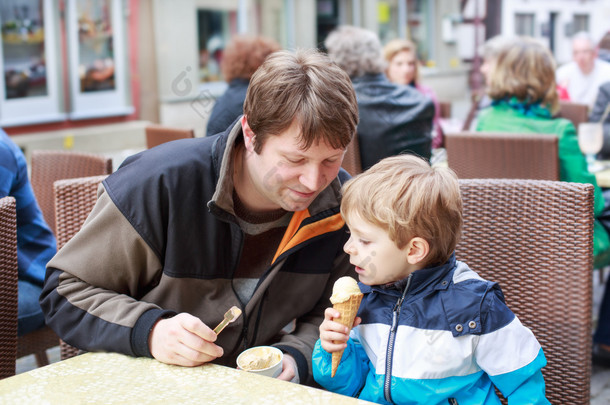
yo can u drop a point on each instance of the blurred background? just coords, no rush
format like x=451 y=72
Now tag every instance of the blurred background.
x=91 y=74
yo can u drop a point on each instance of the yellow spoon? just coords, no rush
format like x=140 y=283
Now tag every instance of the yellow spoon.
x=231 y=315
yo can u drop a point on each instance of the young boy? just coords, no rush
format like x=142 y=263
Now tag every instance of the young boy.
x=429 y=330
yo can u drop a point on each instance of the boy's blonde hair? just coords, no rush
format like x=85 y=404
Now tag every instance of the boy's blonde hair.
x=408 y=198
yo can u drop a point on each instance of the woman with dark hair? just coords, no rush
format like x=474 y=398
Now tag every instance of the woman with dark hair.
x=241 y=58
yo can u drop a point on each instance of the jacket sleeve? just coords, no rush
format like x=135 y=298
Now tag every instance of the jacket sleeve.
x=512 y=357
x=301 y=342
x=602 y=100
x=91 y=283
x=351 y=373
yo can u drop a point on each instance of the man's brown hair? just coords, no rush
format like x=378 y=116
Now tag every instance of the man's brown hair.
x=305 y=86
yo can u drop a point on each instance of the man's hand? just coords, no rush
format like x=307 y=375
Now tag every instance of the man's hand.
x=333 y=335
x=289 y=369
x=183 y=340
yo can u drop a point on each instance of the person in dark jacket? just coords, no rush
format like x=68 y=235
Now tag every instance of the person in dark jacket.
x=394 y=119
x=241 y=58
x=249 y=218
x=599 y=108
x=601 y=339
x=35 y=240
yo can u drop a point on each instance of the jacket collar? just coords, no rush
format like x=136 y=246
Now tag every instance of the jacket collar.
x=429 y=278
x=529 y=109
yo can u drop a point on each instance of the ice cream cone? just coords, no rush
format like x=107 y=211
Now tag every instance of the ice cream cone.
x=348 y=310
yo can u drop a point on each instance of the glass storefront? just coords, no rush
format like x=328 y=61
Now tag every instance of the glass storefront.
x=96 y=64
x=23 y=49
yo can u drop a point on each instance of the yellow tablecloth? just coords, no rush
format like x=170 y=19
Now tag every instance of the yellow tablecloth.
x=110 y=378
x=603 y=178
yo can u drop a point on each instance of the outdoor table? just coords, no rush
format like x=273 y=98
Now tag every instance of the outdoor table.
x=603 y=176
x=112 y=378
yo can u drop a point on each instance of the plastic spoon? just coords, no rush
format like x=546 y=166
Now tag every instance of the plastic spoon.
x=231 y=315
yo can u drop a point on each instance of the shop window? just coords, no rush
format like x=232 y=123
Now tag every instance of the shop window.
x=214 y=29
x=28 y=52
x=524 y=24
x=34 y=68
x=97 y=59
x=580 y=23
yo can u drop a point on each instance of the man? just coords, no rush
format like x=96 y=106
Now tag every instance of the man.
x=35 y=241
x=154 y=269
x=393 y=118
x=583 y=76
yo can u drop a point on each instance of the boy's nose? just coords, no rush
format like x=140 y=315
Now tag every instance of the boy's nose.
x=349 y=247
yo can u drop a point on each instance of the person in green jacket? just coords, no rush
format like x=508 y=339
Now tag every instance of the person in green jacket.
x=524 y=100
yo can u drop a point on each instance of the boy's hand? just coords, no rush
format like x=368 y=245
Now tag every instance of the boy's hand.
x=333 y=335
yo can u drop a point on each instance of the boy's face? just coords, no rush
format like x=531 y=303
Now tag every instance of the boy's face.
x=377 y=258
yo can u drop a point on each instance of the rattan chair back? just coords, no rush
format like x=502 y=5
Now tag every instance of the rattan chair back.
x=74 y=200
x=575 y=112
x=8 y=286
x=536 y=239
x=487 y=155
x=351 y=160
x=158 y=134
x=51 y=165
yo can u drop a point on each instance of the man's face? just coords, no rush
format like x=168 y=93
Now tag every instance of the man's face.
x=283 y=175
x=584 y=54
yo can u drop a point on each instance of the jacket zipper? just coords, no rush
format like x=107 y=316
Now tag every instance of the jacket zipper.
x=391 y=340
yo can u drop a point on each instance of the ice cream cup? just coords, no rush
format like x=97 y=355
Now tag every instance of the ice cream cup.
x=245 y=360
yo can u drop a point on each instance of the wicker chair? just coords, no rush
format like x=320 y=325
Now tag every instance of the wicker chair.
x=8 y=284
x=485 y=155
x=48 y=166
x=74 y=200
x=157 y=134
x=575 y=112
x=51 y=165
x=445 y=109
x=536 y=239
x=351 y=160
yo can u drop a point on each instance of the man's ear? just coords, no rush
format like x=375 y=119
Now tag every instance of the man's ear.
x=418 y=249
x=249 y=136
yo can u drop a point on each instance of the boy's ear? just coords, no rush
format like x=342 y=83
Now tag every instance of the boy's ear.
x=249 y=136
x=418 y=250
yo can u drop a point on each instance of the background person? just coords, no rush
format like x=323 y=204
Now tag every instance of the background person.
x=586 y=73
x=241 y=58
x=35 y=241
x=525 y=99
x=403 y=68
x=184 y=231
x=405 y=219
x=393 y=118
x=601 y=338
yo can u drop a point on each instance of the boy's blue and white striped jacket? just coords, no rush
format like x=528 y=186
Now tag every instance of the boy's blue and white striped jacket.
x=442 y=336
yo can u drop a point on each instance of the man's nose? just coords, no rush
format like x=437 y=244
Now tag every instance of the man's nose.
x=312 y=177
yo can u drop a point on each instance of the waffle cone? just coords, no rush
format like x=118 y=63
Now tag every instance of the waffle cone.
x=348 y=310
